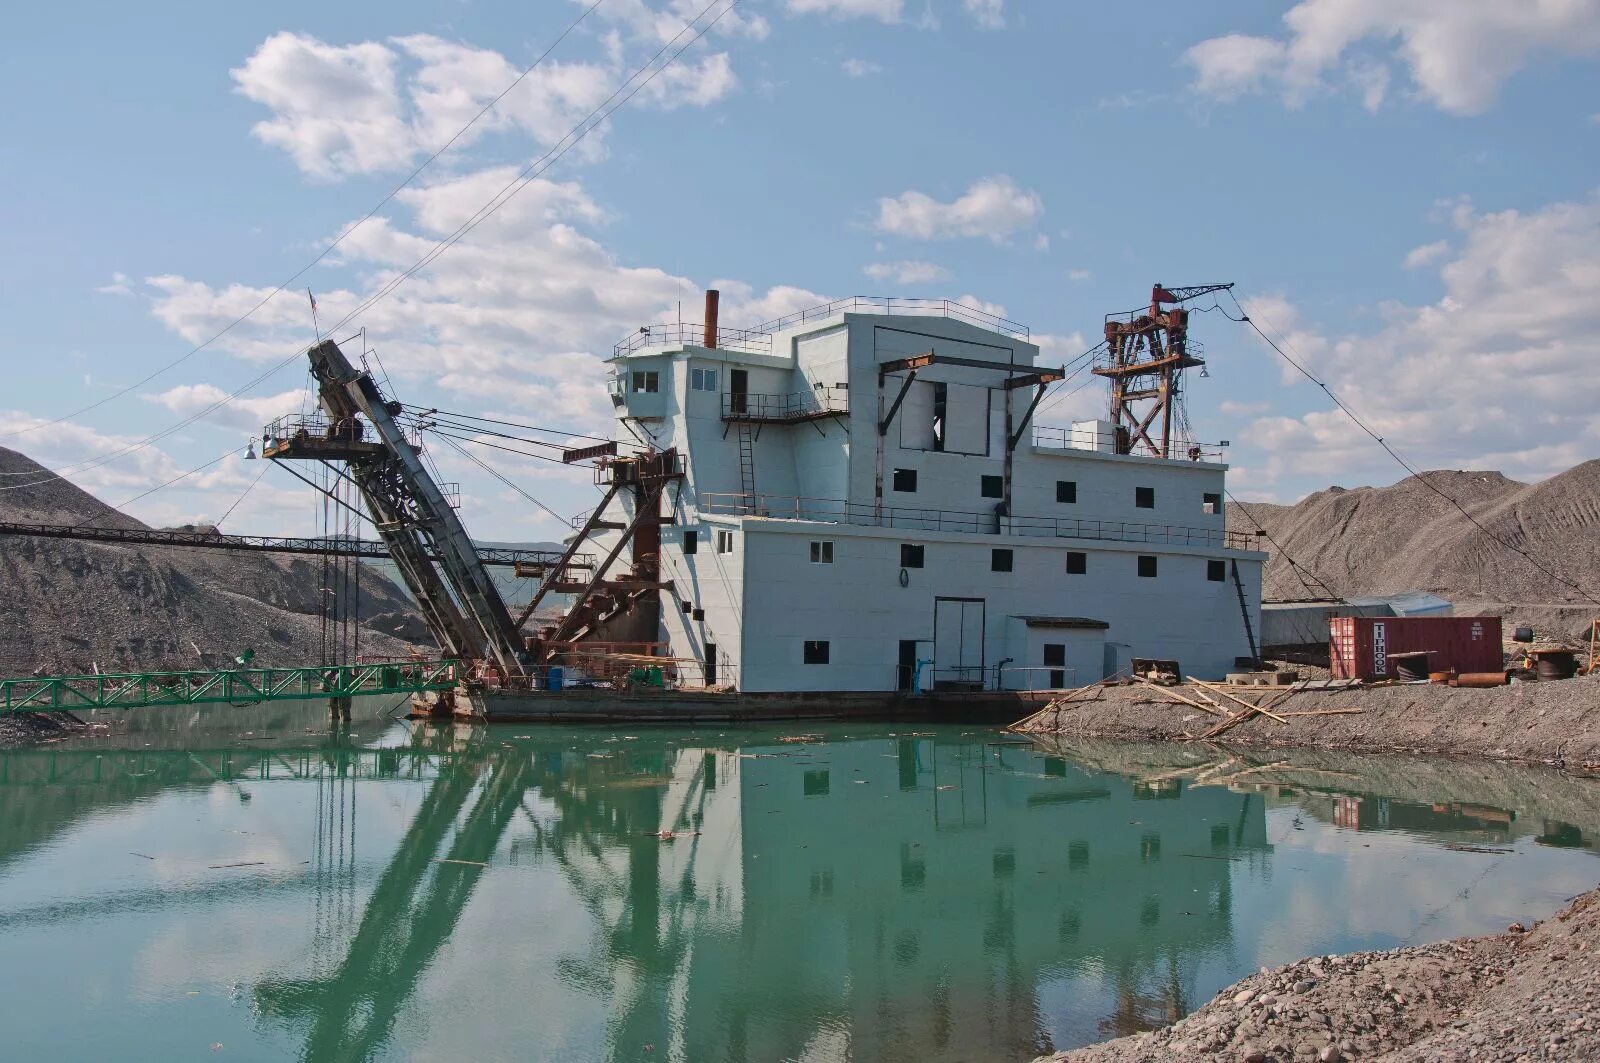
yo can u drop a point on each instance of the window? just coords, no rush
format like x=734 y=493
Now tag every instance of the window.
x=1077 y=562
x=994 y=487
x=1066 y=491
x=816 y=652
x=1147 y=566
x=647 y=382
x=905 y=480
x=1144 y=497
x=999 y=560
x=822 y=552
x=698 y=614
x=1212 y=503
x=688 y=607
x=1216 y=571
x=910 y=555
x=941 y=412
x=691 y=541
x=702 y=379
x=724 y=542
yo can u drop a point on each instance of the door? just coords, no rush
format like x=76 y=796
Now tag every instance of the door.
x=907 y=668
x=738 y=390
x=711 y=664
x=958 y=643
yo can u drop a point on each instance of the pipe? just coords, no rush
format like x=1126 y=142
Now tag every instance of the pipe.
x=712 y=295
x=1481 y=679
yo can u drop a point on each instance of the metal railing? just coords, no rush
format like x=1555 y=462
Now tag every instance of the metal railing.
x=838 y=511
x=751 y=341
x=794 y=406
x=1074 y=438
x=317 y=426
x=877 y=304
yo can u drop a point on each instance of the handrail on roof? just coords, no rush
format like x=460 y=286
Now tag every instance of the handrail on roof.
x=881 y=304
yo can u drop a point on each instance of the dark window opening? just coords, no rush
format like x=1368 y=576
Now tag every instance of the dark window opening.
x=691 y=542
x=1000 y=561
x=1055 y=654
x=1077 y=562
x=1216 y=571
x=941 y=405
x=1058 y=678
x=822 y=552
x=1066 y=491
x=816 y=652
x=911 y=555
x=905 y=480
x=688 y=607
x=1147 y=566
x=711 y=669
x=994 y=487
x=905 y=672
x=1212 y=503
x=698 y=614
x=647 y=382
x=1144 y=497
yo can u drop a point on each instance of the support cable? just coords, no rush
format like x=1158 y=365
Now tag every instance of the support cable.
x=1300 y=571
x=486 y=467
x=1407 y=466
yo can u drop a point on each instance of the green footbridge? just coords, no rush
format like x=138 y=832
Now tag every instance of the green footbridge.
x=236 y=686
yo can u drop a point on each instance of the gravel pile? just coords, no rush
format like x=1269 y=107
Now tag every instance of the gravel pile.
x=1384 y=540
x=1514 y=996
x=1554 y=722
x=74 y=606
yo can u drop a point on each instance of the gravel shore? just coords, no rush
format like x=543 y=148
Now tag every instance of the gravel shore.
x=22 y=728
x=1555 y=723
x=1522 y=995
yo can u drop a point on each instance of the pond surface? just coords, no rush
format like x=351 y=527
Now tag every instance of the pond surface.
x=242 y=884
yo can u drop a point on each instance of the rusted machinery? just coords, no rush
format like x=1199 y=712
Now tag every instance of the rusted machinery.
x=1147 y=352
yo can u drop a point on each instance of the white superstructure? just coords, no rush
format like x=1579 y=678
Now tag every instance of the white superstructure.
x=867 y=506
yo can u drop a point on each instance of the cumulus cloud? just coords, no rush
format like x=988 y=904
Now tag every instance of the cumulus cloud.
x=989 y=14
x=246 y=414
x=907 y=271
x=1457 y=54
x=1482 y=378
x=994 y=207
x=373 y=106
x=1427 y=254
x=118 y=285
x=860 y=68
x=882 y=10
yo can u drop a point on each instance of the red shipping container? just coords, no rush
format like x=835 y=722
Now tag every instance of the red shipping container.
x=1359 y=646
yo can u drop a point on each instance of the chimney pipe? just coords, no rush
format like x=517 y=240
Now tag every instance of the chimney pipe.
x=711 y=317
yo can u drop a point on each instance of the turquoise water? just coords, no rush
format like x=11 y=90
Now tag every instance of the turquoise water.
x=246 y=885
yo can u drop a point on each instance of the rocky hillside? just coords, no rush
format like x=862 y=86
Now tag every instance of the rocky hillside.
x=72 y=606
x=1381 y=540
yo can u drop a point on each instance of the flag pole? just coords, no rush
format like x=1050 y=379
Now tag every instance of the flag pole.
x=314 y=327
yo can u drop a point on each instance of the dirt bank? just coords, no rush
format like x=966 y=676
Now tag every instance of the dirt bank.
x=1550 y=723
x=21 y=728
x=1517 y=995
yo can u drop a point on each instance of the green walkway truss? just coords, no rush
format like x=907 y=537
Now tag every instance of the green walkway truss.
x=234 y=686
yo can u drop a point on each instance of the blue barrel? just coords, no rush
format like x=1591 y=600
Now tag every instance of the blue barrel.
x=554 y=679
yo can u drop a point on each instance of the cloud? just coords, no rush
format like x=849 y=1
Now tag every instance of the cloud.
x=882 y=10
x=1427 y=254
x=118 y=285
x=989 y=14
x=249 y=415
x=1078 y=274
x=860 y=68
x=994 y=207
x=1481 y=378
x=1458 y=54
x=907 y=271
x=375 y=107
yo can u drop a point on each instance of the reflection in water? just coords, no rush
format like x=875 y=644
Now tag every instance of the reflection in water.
x=868 y=895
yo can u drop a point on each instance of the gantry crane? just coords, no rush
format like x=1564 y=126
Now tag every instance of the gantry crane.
x=1147 y=352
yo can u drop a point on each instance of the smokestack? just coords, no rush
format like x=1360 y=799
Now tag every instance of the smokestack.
x=711 y=316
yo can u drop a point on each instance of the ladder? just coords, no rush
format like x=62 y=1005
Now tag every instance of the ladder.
x=747 y=463
x=1244 y=610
